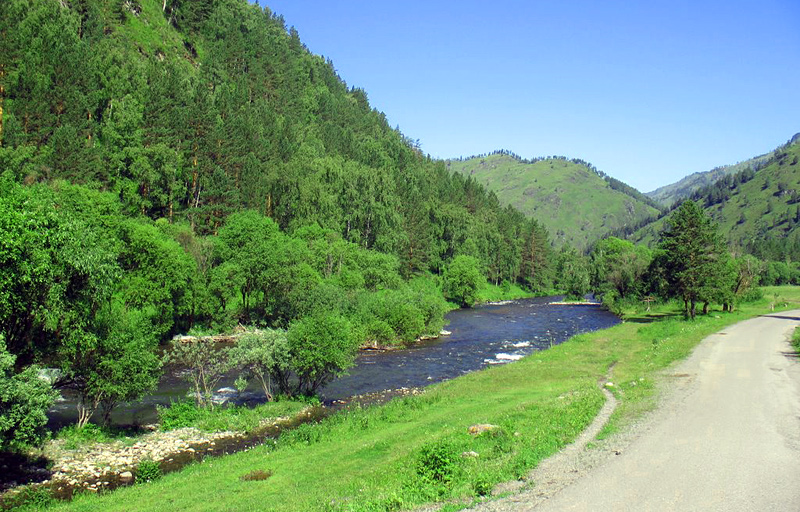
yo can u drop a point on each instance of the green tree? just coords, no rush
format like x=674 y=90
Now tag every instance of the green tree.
x=619 y=265
x=205 y=365
x=263 y=355
x=115 y=363
x=573 y=274
x=24 y=400
x=321 y=347
x=692 y=252
x=462 y=280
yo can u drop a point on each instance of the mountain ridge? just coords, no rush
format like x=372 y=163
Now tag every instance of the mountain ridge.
x=577 y=203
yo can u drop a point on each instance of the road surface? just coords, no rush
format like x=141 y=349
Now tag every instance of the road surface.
x=726 y=439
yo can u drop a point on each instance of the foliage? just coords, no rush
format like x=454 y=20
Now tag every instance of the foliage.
x=321 y=347
x=263 y=355
x=205 y=365
x=116 y=363
x=619 y=266
x=692 y=256
x=573 y=274
x=438 y=461
x=24 y=399
x=148 y=470
x=462 y=280
x=186 y=413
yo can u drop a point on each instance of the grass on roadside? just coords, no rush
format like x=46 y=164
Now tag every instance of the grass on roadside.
x=417 y=450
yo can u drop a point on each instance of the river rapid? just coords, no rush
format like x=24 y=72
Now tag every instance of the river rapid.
x=480 y=336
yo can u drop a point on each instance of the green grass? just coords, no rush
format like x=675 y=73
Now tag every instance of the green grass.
x=409 y=451
x=575 y=205
x=220 y=419
x=756 y=208
x=495 y=293
x=796 y=339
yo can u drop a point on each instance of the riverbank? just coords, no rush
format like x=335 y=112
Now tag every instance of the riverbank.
x=418 y=449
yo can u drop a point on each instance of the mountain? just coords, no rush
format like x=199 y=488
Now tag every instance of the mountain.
x=576 y=203
x=191 y=111
x=758 y=211
x=669 y=194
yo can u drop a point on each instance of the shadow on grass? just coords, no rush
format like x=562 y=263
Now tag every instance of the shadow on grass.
x=649 y=318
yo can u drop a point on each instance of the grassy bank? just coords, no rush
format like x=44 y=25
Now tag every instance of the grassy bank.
x=418 y=449
x=495 y=293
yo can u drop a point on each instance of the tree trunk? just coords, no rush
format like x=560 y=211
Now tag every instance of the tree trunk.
x=85 y=411
x=692 y=308
x=705 y=308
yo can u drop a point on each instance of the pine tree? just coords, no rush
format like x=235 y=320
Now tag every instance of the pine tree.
x=693 y=252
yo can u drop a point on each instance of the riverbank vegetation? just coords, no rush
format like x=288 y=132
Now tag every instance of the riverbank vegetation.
x=418 y=449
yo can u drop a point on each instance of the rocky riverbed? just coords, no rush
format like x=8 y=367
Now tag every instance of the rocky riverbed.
x=103 y=466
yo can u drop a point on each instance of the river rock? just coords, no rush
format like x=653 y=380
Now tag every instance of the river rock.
x=470 y=455
x=481 y=428
x=126 y=477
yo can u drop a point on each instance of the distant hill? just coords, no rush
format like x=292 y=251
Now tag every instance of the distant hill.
x=669 y=194
x=576 y=203
x=753 y=209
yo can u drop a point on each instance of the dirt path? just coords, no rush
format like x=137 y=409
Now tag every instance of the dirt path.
x=727 y=438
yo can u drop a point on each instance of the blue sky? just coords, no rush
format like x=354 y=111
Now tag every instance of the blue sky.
x=647 y=91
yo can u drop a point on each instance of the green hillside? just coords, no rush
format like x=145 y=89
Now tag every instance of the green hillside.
x=759 y=213
x=684 y=188
x=575 y=203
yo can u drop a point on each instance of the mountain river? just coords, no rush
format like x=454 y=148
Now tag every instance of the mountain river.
x=484 y=335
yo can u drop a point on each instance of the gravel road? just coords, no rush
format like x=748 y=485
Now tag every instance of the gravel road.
x=726 y=437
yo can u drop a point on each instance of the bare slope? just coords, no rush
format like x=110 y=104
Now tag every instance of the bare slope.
x=575 y=204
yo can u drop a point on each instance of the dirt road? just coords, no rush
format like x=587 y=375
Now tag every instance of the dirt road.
x=727 y=438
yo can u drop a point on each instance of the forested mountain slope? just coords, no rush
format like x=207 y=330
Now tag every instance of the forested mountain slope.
x=758 y=211
x=682 y=189
x=572 y=200
x=170 y=165
x=192 y=110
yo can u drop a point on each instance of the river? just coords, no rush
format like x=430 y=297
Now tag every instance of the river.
x=484 y=335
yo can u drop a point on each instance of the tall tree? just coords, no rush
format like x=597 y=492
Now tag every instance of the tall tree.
x=692 y=255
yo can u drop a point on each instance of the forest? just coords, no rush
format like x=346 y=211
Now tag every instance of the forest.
x=173 y=167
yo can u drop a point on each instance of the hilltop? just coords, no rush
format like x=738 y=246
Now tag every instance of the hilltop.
x=757 y=210
x=684 y=188
x=575 y=202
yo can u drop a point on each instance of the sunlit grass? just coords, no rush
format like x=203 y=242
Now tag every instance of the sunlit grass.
x=379 y=458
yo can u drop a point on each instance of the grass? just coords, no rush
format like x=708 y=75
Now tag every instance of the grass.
x=754 y=208
x=575 y=205
x=238 y=418
x=506 y=291
x=416 y=450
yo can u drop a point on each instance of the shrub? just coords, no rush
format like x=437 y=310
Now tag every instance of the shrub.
x=462 y=280
x=322 y=347
x=184 y=413
x=438 y=461
x=148 y=471
x=24 y=400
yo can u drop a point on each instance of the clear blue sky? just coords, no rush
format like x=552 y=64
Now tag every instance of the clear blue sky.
x=648 y=91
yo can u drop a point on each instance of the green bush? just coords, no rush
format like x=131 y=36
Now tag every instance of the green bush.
x=35 y=497
x=24 y=400
x=148 y=471
x=462 y=280
x=184 y=413
x=438 y=461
